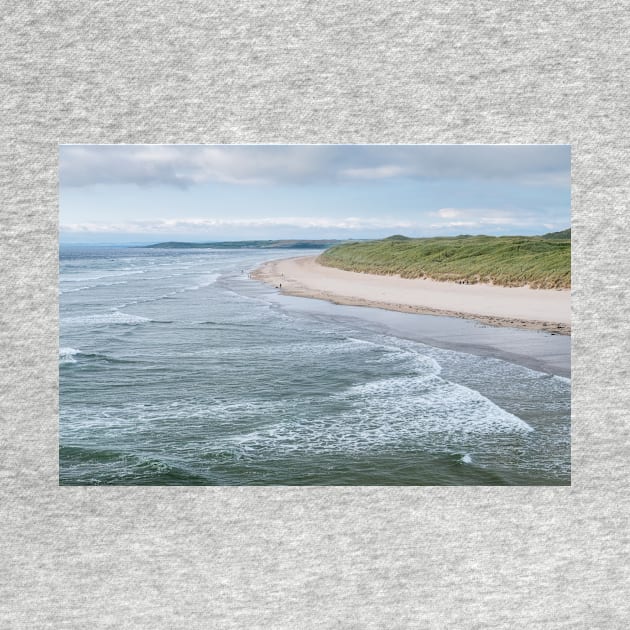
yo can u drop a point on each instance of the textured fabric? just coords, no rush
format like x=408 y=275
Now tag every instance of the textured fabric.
x=241 y=72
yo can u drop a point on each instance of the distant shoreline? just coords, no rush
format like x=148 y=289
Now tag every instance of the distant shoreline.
x=548 y=310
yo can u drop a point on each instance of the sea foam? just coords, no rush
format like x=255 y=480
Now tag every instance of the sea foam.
x=103 y=319
x=66 y=355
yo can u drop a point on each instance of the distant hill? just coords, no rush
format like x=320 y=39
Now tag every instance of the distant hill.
x=281 y=244
x=397 y=237
x=537 y=261
x=558 y=235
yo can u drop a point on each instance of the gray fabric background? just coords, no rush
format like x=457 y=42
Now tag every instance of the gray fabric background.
x=390 y=72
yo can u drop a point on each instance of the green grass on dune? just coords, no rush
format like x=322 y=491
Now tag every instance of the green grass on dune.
x=538 y=261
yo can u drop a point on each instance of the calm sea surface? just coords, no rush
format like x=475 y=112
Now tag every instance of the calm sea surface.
x=176 y=368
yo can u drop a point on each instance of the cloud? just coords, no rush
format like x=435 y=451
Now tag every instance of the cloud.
x=377 y=172
x=449 y=213
x=266 y=165
x=480 y=218
x=188 y=225
x=472 y=219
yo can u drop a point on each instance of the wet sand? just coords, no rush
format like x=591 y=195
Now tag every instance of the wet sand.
x=515 y=307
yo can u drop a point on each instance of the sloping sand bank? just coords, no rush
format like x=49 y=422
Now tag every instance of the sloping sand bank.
x=521 y=307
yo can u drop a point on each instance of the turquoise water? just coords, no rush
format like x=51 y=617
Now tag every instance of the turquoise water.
x=176 y=368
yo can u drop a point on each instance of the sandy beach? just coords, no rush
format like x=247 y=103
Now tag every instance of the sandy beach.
x=519 y=307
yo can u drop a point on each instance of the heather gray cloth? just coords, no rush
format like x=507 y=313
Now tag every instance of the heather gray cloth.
x=390 y=72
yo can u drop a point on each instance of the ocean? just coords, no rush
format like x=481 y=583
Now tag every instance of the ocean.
x=176 y=368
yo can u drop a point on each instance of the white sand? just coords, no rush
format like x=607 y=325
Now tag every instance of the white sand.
x=503 y=306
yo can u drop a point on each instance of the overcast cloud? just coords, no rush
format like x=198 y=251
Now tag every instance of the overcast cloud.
x=130 y=193
x=189 y=165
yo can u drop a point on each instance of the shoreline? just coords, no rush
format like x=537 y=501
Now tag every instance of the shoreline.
x=488 y=304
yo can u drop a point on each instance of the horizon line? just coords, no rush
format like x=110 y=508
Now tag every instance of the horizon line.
x=311 y=239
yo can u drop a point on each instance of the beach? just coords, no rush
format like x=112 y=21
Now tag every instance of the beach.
x=518 y=307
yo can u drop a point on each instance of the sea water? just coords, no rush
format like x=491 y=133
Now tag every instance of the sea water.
x=177 y=368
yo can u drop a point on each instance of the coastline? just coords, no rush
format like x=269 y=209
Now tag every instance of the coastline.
x=531 y=309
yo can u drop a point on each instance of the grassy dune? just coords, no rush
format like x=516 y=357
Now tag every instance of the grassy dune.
x=542 y=262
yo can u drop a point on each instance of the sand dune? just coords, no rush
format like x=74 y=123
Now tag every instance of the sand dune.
x=521 y=307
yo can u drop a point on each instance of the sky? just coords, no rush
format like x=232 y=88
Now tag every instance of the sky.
x=150 y=193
